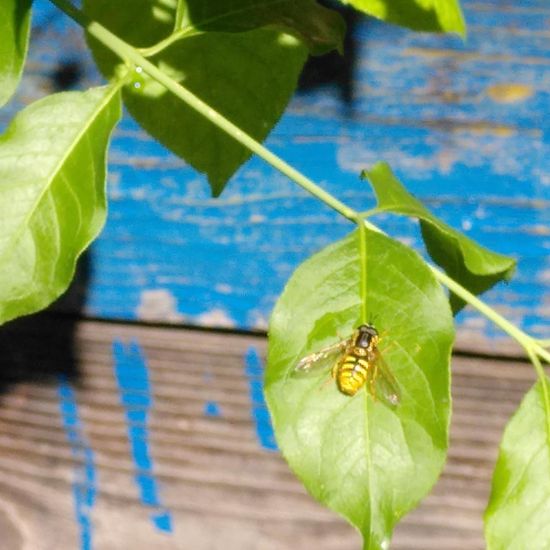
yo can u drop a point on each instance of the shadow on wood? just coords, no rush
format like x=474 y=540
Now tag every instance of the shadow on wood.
x=334 y=68
x=40 y=348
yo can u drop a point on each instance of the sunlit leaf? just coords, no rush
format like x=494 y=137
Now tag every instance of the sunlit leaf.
x=467 y=262
x=52 y=194
x=369 y=462
x=15 y=18
x=420 y=15
x=518 y=515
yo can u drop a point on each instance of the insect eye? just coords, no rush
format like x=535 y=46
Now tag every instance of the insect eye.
x=365 y=339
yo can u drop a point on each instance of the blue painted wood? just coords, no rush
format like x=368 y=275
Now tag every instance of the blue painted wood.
x=132 y=376
x=85 y=482
x=254 y=371
x=464 y=125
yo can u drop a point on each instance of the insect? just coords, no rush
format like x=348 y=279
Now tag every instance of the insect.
x=356 y=362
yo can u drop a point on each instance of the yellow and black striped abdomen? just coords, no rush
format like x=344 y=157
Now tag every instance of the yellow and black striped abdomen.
x=351 y=373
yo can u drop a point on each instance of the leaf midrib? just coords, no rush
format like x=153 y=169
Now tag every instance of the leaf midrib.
x=366 y=433
x=55 y=171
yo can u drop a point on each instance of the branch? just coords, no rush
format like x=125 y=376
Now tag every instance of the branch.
x=132 y=57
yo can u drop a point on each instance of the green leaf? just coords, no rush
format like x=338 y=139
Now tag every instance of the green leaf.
x=52 y=194
x=470 y=264
x=367 y=461
x=518 y=513
x=248 y=77
x=419 y=15
x=15 y=18
x=321 y=29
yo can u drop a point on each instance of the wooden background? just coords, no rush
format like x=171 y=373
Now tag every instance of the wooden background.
x=118 y=431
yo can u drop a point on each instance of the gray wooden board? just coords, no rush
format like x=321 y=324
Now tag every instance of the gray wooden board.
x=219 y=485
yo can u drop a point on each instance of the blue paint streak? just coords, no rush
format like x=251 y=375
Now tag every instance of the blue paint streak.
x=163 y=522
x=84 y=485
x=136 y=397
x=211 y=408
x=254 y=371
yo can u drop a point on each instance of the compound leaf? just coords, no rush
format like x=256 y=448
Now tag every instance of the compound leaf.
x=15 y=19
x=52 y=194
x=367 y=461
x=470 y=264
x=519 y=506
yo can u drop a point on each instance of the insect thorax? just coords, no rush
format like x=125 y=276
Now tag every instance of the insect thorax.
x=360 y=351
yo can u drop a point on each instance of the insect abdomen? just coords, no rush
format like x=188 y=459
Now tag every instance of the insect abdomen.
x=352 y=374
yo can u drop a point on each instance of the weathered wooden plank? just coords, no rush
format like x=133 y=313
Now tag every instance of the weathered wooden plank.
x=205 y=478
x=464 y=124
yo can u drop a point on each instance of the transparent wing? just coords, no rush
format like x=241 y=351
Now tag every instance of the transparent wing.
x=321 y=359
x=385 y=385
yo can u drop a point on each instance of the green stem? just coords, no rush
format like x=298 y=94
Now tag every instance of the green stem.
x=179 y=34
x=526 y=341
x=370 y=212
x=180 y=13
x=362 y=235
x=523 y=338
x=131 y=56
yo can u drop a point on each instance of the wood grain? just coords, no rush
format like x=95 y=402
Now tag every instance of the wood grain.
x=222 y=489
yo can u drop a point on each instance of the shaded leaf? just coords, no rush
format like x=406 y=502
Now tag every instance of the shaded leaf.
x=15 y=18
x=518 y=513
x=367 y=461
x=419 y=15
x=247 y=77
x=470 y=264
x=321 y=29
x=52 y=194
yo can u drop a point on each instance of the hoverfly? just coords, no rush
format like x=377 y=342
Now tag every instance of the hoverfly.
x=356 y=362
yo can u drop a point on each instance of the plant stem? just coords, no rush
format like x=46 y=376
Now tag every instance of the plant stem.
x=180 y=13
x=526 y=341
x=131 y=56
x=178 y=34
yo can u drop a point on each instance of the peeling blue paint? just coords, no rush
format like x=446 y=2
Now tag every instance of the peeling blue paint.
x=211 y=408
x=421 y=104
x=85 y=479
x=136 y=397
x=254 y=371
